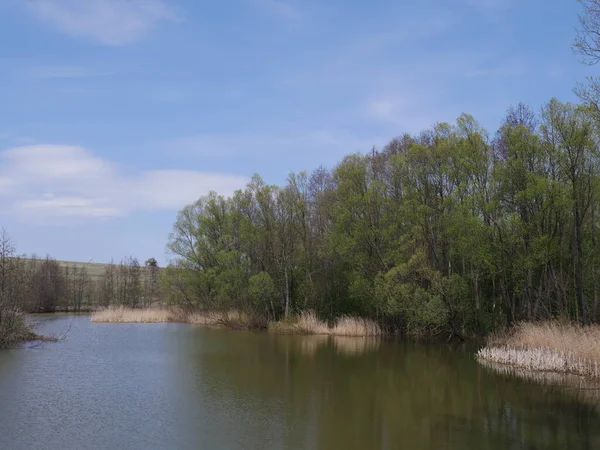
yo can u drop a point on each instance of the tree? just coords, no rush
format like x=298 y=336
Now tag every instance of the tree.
x=446 y=231
x=587 y=45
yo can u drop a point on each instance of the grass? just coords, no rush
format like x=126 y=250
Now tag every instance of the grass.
x=229 y=319
x=95 y=270
x=355 y=326
x=307 y=322
x=547 y=347
x=130 y=315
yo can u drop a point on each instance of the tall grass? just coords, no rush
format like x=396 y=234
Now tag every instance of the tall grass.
x=230 y=319
x=131 y=315
x=355 y=326
x=549 y=346
x=307 y=322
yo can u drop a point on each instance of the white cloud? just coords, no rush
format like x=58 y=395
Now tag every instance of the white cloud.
x=58 y=182
x=110 y=22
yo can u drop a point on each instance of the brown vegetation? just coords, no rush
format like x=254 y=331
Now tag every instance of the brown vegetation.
x=308 y=323
x=227 y=319
x=355 y=326
x=130 y=315
x=547 y=347
x=305 y=323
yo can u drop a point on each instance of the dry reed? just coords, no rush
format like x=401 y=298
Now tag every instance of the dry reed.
x=308 y=323
x=355 y=326
x=547 y=347
x=132 y=315
x=232 y=319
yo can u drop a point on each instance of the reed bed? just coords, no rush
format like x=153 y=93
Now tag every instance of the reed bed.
x=547 y=347
x=355 y=327
x=307 y=322
x=231 y=319
x=133 y=315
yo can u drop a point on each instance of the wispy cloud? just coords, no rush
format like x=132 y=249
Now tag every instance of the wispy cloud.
x=109 y=22
x=488 y=4
x=495 y=72
x=297 y=144
x=409 y=32
x=15 y=139
x=50 y=183
x=280 y=9
x=408 y=111
x=61 y=72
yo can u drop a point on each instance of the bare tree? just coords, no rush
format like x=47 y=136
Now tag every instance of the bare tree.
x=587 y=45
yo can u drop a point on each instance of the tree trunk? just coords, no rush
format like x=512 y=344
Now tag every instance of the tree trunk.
x=579 y=267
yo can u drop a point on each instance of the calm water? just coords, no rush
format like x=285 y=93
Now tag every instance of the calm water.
x=183 y=387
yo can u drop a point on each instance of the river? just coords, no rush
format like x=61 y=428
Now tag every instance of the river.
x=172 y=386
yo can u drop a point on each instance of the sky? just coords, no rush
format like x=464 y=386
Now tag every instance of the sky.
x=114 y=114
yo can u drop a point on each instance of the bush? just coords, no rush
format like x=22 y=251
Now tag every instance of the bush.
x=13 y=328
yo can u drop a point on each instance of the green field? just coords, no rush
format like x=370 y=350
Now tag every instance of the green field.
x=95 y=270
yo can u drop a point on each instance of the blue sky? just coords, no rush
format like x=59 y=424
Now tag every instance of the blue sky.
x=116 y=113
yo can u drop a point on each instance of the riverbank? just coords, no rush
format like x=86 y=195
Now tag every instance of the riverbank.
x=304 y=323
x=547 y=347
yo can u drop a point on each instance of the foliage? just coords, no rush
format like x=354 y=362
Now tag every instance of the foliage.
x=452 y=231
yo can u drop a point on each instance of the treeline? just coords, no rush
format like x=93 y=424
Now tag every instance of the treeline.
x=36 y=285
x=449 y=231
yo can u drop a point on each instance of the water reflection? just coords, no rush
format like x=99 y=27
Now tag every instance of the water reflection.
x=392 y=395
x=341 y=345
x=170 y=386
x=583 y=389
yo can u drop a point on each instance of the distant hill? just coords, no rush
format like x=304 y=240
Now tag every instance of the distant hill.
x=95 y=270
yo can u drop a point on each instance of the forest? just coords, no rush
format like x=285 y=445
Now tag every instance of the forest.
x=452 y=231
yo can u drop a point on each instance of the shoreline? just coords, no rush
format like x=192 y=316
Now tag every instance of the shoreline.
x=305 y=323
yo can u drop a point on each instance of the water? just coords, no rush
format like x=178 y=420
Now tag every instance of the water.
x=169 y=386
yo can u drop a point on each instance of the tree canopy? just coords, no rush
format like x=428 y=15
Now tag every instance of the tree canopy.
x=449 y=231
